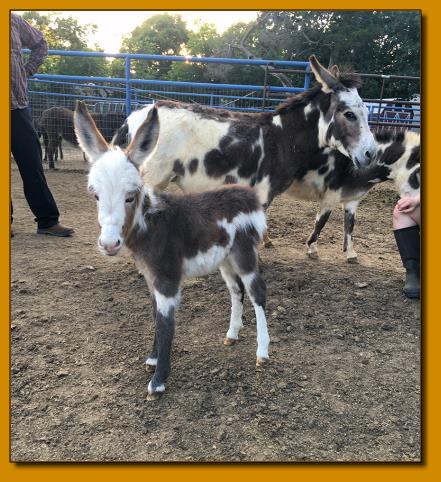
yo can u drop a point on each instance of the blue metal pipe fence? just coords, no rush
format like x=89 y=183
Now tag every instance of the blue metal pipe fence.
x=122 y=94
x=170 y=87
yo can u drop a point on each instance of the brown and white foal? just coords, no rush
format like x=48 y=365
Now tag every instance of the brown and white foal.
x=174 y=236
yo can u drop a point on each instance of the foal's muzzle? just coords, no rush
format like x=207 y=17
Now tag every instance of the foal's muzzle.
x=109 y=248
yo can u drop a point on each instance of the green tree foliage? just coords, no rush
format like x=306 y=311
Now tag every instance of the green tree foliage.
x=202 y=43
x=162 y=34
x=364 y=41
x=67 y=34
x=385 y=42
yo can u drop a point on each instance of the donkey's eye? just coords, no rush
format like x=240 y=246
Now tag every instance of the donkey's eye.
x=350 y=115
x=130 y=199
x=96 y=197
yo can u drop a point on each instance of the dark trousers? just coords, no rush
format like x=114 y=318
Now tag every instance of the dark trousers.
x=26 y=150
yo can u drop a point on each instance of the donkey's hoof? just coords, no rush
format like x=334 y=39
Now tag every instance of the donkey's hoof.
x=154 y=396
x=230 y=341
x=352 y=260
x=313 y=254
x=261 y=362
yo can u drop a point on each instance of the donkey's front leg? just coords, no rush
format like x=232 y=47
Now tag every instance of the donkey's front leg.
x=350 y=209
x=320 y=220
x=152 y=359
x=164 y=331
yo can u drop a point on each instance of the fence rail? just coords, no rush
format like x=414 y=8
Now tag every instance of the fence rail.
x=114 y=98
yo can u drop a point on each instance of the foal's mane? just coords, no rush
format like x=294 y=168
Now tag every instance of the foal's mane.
x=348 y=79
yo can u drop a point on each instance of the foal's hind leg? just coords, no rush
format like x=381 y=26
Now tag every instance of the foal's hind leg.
x=267 y=241
x=237 y=291
x=256 y=290
x=244 y=261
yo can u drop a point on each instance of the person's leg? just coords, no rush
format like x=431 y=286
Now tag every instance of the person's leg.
x=26 y=150
x=407 y=236
x=405 y=220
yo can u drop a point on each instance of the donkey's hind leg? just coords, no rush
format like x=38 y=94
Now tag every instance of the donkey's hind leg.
x=60 y=147
x=52 y=149
x=237 y=291
x=320 y=221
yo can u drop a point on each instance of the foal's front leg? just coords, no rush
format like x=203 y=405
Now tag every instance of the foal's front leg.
x=164 y=331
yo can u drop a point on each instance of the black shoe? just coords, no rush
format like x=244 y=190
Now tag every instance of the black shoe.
x=56 y=230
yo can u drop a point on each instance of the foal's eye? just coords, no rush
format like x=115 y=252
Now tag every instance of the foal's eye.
x=350 y=115
x=96 y=197
x=130 y=199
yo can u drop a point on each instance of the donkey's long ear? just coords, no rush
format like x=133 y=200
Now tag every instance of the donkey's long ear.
x=89 y=137
x=324 y=77
x=145 y=138
x=335 y=71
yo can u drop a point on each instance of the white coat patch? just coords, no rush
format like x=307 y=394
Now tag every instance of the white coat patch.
x=207 y=262
x=277 y=121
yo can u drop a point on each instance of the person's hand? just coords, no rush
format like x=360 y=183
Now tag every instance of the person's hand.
x=408 y=204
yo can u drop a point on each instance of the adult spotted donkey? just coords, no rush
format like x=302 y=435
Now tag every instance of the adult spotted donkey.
x=200 y=148
x=172 y=237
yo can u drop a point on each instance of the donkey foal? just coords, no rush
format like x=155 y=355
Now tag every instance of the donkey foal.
x=172 y=237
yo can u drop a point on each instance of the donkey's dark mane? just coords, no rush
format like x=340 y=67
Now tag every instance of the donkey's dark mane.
x=215 y=113
x=348 y=79
x=384 y=136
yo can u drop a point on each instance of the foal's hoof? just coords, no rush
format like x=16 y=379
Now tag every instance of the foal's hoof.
x=312 y=254
x=268 y=244
x=353 y=260
x=261 y=362
x=150 y=368
x=156 y=392
x=150 y=364
x=230 y=341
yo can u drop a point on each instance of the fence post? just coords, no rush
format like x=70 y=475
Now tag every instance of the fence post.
x=383 y=78
x=265 y=88
x=307 y=82
x=128 y=87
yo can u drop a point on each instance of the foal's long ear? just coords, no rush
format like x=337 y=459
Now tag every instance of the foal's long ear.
x=328 y=81
x=89 y=137
x=145 y=138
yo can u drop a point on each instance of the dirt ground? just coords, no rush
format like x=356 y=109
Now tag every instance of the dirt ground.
x=344 y=379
